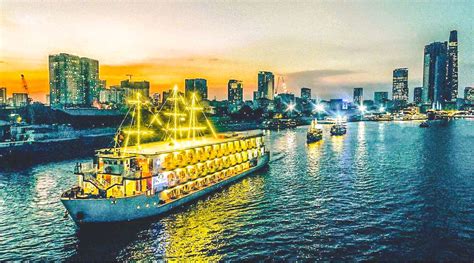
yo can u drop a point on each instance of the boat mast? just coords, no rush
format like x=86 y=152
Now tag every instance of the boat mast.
x=138 y=131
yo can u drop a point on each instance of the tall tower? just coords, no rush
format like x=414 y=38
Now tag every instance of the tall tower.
x=266 y=84
x=400 y=84
x=358 y=96
x=235 y=91
x=452 y=74
x=434 y=74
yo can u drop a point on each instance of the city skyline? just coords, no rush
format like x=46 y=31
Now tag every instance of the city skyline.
x=332 y=56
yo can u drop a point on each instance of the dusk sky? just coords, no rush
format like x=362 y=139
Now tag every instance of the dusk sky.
x=329 y=46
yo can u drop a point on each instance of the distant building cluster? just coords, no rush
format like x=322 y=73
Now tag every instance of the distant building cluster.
x=75 y=83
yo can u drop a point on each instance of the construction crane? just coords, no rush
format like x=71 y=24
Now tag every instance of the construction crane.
x=25 y=85
x=129 y=77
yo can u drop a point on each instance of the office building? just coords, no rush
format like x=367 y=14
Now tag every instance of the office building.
x=306 y=93
x=131 y=88
x=266 y=85
x=235 y=92
x=417 y=95
x=452 y=67
x=196 y=86
x=400 y=85
x=358 y=96
x=19 y=99
x=434 y=74
x=73 y=81
x=380 y=98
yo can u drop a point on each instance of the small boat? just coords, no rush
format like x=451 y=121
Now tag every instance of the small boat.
x=338 y=129
x=424 y=124
x=315 y=133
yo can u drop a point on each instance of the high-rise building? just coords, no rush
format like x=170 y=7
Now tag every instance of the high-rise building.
x=434 y=74
x=73 y=81
x=400 y=85
x=417 y=95
x=469 y=94
x=358 y=96
x=19 y=99
x=235 y=91
x=452 y=69
x=266 y=85
x=380 y=98
x=306 y=93
x=90 y=79
x=3 y=96
x=131 y=88
x=256 y=95
x=198 y=86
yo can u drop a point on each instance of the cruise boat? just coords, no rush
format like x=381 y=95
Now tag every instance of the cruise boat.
x=338 y=129
x=315 y=133
x=131 y=182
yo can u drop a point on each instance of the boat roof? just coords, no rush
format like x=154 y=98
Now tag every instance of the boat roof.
x=155 y=148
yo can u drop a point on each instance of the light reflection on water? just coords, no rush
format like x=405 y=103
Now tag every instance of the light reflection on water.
x=378 y=192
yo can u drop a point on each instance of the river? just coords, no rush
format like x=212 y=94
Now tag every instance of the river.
x=384 y=191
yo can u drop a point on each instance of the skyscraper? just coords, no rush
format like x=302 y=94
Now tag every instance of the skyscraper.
x=380 y=98
x=3 y=96
x=72 y=80
x=358 y=96
x=417 y=95
x=266 y=84
x=306 y=93
x=452 y=74
x=198 y=86
x=235 y=91
x=400 y=85
x=434 y=74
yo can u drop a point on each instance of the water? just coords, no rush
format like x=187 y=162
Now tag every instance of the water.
x=385 y=191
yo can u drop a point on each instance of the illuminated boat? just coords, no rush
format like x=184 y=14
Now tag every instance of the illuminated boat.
x=315 y=133
x=130 y=182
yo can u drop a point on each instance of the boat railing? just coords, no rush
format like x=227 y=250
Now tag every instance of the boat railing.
x=85 y=168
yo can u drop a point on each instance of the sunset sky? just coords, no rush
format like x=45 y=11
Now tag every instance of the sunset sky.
x=329 y=46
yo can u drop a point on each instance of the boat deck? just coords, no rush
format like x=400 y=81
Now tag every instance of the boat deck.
x=159 y=147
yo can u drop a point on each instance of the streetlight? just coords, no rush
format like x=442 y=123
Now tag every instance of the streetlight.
x=319 y=107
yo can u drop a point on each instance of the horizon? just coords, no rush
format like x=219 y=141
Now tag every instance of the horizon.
x=165 y=43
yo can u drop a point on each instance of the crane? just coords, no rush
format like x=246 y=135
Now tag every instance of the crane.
x=129 y=77
x=25 y=85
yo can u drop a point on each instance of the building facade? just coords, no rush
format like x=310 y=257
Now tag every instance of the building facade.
x=3 y=96
x=452 y=68
x=266 y=85
x=400 y=85
x=73 y=81
x=358 y=96
x=306 y=93
x=19 y=99
x=235 y=92
x=131 y=88
x=198 y=86
x=417 y=95
x=434 y=74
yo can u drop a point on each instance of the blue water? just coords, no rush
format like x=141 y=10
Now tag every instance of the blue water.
x=385 y=191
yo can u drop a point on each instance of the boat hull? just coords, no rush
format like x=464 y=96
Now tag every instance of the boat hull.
x=94 y=211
